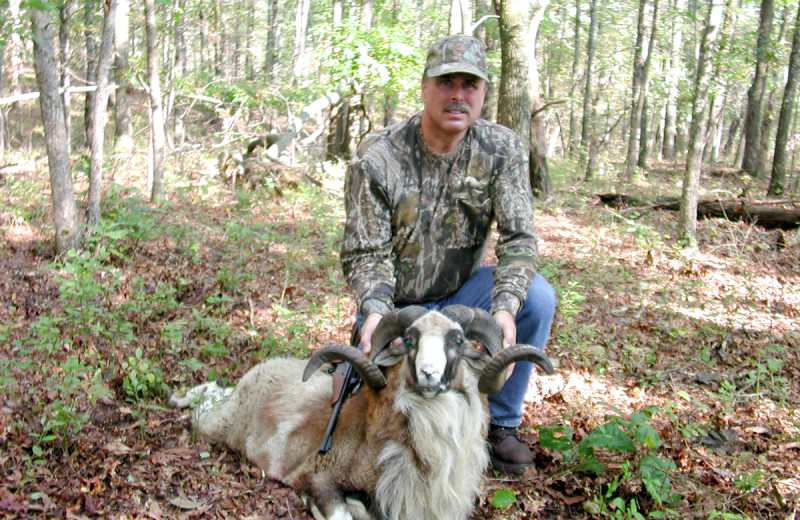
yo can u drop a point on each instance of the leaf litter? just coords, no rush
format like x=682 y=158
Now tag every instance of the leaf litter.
x=708 y=339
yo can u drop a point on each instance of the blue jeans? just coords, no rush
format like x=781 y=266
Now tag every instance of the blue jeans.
x=533 y=326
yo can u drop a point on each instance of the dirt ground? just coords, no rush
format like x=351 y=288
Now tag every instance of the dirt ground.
x=707 y=339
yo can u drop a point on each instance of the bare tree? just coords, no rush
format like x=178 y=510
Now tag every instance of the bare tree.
x=69 y=233
x=539 y=175
x=642 y=106
x=687 y=217
x=587 y=137
x=460 y=17
x=672 y=77
x=513 y=104
x=300 y=26
x=65 y=14
x=778 y=176
x=91 y=65
x=122 y=118
x=637 y=96
x=100 y=114
x=157 y=137
x=574 y=144
x=752 y=122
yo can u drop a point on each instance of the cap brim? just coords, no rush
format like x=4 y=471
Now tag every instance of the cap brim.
x=452 y=68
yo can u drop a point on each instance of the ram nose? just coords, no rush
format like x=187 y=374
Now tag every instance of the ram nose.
x=429 y=380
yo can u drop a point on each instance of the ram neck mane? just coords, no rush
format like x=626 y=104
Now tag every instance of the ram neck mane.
x=434 y=469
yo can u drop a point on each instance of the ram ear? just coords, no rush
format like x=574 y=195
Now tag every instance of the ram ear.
x=475 y=358
x=391 y=355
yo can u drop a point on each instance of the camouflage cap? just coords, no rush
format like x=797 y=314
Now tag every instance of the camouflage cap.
x=456 y=53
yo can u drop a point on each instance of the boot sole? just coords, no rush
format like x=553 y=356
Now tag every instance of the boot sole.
x=512 y=468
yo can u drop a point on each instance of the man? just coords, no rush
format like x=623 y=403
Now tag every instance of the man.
x=420 y=200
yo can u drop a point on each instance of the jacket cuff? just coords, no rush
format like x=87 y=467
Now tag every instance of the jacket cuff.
x=374 y=306
x=506 y=301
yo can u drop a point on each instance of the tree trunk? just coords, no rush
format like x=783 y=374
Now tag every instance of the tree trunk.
x=587 y=88
x=271 y=51
x=637 y=96
x=300 y=26
x=672 y=79
x=779 y=160
x=767 y=113
x=63 y=66
x=687 y=218
x=460 y=17
x=641 y=160
x=97 y=131
x=15 y=55
x=752 y=123
x=156 y=112
x=122 y=118
x=513 y=104
x=574 y=143
x=69 y=234
x=366 y=14
x=539 y=175
x=91 y=66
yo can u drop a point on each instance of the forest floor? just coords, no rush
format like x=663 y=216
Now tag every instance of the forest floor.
x=675 y=396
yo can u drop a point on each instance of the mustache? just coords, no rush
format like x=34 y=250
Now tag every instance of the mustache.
x=457 y=106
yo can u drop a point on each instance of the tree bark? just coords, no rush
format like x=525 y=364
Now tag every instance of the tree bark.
x=63 y=66
x=574 y=130
x=157 y=135
x=69 y=233
x=778 y=176
x=591 y=45
x=122 y=118
x=91 y=66
x=514 y=104
x=271 y=51
x=637 y=96
x=687 y=218
x=672 y=78
x=539 y=175
x=643 y=152
x=100 y=115
x=300 y=26
x=752 y=123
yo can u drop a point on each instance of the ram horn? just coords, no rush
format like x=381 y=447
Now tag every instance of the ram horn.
x=393 y=325
x=493 y=376
x=369 y=372
x=478 y=325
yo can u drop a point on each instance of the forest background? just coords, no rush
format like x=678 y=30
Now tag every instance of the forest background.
x=189 y=227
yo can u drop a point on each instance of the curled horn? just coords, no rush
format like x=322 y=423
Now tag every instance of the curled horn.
x=478 y=325
x=493 y=376
x=369 y=372
x=393 y=325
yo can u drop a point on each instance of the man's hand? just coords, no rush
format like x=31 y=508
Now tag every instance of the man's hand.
x=509 y=327
x=367 y=329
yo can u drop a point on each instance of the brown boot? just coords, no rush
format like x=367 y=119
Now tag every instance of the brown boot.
x=507 y=453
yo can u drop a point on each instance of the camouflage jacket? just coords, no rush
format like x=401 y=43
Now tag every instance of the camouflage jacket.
x=418 y=223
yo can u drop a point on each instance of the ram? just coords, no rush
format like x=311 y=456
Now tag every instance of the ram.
x=410 y=444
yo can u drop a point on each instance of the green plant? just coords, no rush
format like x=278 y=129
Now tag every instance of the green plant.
x=142 y=379
x=71 y=381
x=630 y=441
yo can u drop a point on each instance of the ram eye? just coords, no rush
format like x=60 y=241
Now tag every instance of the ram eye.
x=459 y=342
x=407 y=342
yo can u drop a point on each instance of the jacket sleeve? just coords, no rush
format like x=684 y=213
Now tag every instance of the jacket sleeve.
x=366 y=253
x=517 y=244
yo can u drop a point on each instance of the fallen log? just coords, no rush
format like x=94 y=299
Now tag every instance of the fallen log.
x=775 y=214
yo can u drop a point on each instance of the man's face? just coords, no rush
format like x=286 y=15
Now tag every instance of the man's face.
x=452 y=102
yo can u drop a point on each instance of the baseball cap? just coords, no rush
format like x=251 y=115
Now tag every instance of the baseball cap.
x=456 y=53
